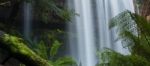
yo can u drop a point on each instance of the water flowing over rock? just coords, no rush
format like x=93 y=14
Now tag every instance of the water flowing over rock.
x=89 y=30
x=27 y=19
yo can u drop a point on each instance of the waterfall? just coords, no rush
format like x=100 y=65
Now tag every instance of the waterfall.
x=85 y=33
x=89 y=30
x=107 y=9
x=27 y=19
x=84 y=47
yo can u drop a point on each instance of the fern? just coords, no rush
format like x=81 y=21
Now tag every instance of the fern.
x=135 y=32
x=41 y=50
x=54 y=49
x=65 y=61
x=112 y=58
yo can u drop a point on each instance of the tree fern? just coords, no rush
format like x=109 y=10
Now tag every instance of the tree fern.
x=134 y=31
x=112 y=58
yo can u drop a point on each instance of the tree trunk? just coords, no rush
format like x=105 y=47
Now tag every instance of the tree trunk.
x=18 y=49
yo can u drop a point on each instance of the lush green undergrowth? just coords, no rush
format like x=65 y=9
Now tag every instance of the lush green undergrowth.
x=135 y=33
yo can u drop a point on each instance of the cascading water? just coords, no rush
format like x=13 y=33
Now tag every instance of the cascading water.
x=107 y=9
x=27 y=19
x=85 y=35
x=89 y=30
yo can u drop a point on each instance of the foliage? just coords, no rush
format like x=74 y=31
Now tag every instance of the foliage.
x=51 y=10
x=134 y=31
x=65 y=61
x=16 y=46
x=42 y=50
x=49 y=46
x=44 y=11
x=50 y=41
x=139 y=3
x=54 y=48
x=112 y=58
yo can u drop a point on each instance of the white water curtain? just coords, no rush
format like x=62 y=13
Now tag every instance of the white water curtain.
x=89 y=30
x=107 y=9
x=27 y=19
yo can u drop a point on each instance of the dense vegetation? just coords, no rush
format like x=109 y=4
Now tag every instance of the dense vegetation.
x=135 y=33
x=47 y=39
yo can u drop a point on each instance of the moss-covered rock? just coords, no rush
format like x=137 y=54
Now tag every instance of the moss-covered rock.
x=17 y=47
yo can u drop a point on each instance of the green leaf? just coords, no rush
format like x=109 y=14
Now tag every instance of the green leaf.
x=54 y=49
x=41 y=50
x=65 y=61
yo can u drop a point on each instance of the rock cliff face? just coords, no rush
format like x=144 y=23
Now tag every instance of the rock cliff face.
x=148 y=18
x=145 y=8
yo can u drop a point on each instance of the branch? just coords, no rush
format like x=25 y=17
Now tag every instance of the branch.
x=5 y=3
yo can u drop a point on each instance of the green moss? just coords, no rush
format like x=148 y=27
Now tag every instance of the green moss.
x=16 y=43
x=19 y=50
